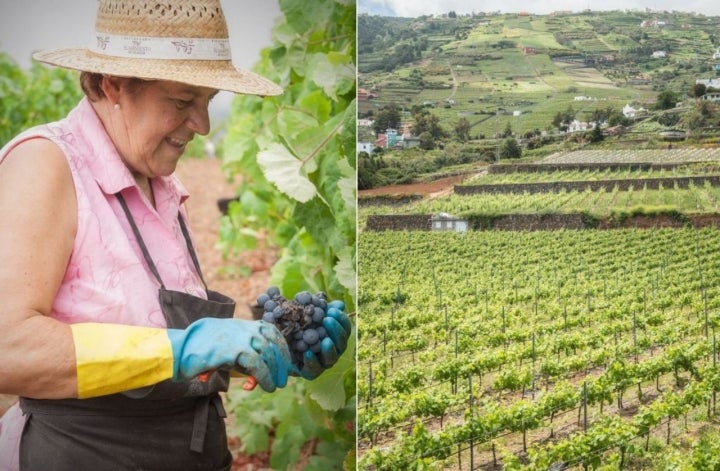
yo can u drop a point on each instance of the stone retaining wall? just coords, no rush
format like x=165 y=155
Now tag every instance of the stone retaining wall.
x=535 y=222
x=607 y=185
x=388 y=200
x=399 y=222
x=597 y=166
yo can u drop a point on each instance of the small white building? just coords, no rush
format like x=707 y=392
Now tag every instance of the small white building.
x=712 y=96
x=712 y=82
x=447 y=222
x=629 y=112
x=364 y=146
x=577 y=126
x=659 y=54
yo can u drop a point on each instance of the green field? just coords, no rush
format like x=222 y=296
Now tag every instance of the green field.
x=520 y=350
x=482 y=346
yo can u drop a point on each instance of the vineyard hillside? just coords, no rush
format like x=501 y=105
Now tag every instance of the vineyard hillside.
x=545 y=82
x=546 y=349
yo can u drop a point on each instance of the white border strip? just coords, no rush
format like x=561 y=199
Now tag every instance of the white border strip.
x=140 y=47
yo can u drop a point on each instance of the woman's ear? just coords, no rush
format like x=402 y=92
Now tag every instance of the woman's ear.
x=111 y=87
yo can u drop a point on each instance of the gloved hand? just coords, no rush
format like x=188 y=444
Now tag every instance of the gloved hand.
x=338 y=327
x=255 y=348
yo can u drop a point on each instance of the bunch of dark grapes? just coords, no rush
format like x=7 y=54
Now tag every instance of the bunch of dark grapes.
x=299 y=320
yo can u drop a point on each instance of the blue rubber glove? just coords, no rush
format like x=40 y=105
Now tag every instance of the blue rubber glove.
x=338 y=327
x=255 y=348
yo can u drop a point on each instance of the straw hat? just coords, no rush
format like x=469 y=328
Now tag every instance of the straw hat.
x=180 y=40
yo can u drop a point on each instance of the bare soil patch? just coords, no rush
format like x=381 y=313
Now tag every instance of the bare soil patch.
x=435 y=188
x=206 y=183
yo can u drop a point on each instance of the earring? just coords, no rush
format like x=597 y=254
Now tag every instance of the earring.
x=116 y=106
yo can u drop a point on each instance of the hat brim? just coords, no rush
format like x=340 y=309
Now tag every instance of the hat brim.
x=216 y=74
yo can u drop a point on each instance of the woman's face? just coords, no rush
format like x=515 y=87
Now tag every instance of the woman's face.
x=154 y=123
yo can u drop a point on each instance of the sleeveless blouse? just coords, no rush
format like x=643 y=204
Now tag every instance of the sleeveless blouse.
x=107 y=278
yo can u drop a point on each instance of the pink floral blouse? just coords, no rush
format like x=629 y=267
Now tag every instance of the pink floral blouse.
x=107 y=279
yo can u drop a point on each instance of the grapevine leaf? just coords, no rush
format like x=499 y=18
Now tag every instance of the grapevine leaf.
x=347 y=189
x=303 y=16
x=316 y=104
x=293 y=122
x=328 y=390
x=333 y=72
x=345 y=270
x=285 y=171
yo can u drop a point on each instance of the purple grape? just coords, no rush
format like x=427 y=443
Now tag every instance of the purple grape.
x=318 y=315
x=310 y=336
x=262 y=299
x=269 y=305
x=303 y=298
x=268 y=317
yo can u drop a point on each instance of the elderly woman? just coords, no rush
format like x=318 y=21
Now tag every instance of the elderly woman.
x=111 y=339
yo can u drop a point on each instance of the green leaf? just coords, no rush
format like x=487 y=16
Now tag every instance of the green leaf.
x=303 y=16
x=285 y=171
x=328 y=390
x=345 y=270
x=333 y=72
x=348 y=189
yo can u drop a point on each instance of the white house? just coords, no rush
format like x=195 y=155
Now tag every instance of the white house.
x=577 y=126
x=659 y=54
x=365 y=146
x=717 y=54
x=714 y=96
x=629 y=112
x=714 y=83
x=447 y=222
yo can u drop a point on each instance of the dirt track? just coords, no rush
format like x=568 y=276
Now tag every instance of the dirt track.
x=435 y=188
x=206 y=183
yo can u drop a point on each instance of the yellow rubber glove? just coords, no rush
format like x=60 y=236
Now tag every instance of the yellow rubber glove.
x=112 y=358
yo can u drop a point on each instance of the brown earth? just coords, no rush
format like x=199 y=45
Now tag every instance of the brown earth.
x=206 y=183
x=435 y=188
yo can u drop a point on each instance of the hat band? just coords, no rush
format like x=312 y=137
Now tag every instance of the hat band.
x=143 y=47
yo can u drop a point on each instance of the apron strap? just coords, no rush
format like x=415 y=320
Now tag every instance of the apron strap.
x=191 y=249
x=200 y=420
x=139 y=239
x=146 y=253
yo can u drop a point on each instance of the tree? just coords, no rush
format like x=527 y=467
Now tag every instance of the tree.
x=427 y=122
x=426 y=141
x=666 y=100
x=388 y=117
x=563 y=118
x=596 y=135
x=510 y=149
x=698 y=90
x=462 y=130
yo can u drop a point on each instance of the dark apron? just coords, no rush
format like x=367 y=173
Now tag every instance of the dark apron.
x=168 y=426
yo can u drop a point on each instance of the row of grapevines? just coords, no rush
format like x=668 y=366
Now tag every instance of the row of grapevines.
x=295 y=158
x=504 y=295
x=34 y=96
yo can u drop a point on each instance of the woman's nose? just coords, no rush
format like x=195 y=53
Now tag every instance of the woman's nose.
x=199 y=120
